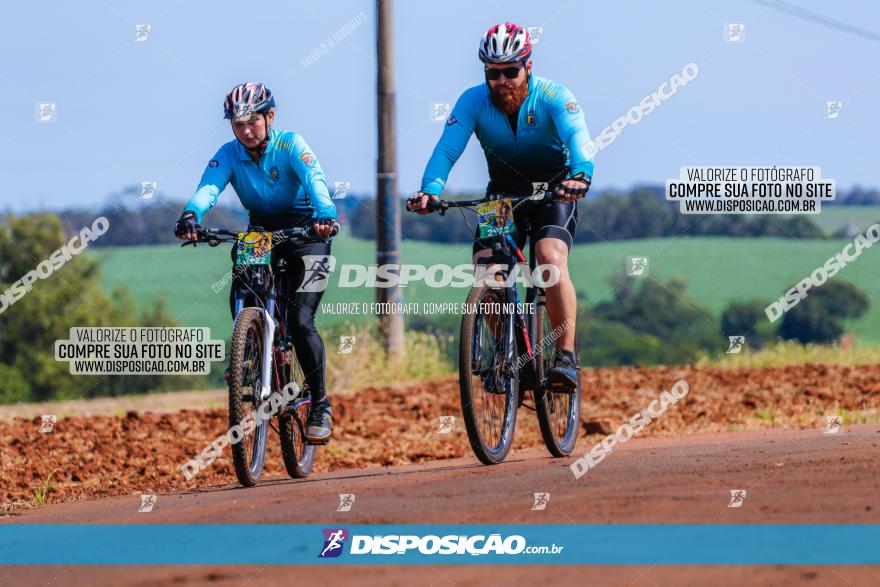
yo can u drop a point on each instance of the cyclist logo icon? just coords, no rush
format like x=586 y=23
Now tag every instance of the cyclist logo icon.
x=318 y=269
x=148 y=189
x=346 y=501
x=832 y=109
x=46 y=112
x=736 y=344
x=147 y=503
x=440 y=111
x=340 y=189
x=539 y=189
x=637 y=266
x=346 y=344
x=334 y=539
x=446 y=424
x=737 y=497
x=734 y=32
x=834 y=423
x=142 y=32
x=47 y=423
x=541 y=500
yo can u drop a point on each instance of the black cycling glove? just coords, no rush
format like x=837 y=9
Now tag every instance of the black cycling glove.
x=578 y=192
x=186 y=226
x=328 y=221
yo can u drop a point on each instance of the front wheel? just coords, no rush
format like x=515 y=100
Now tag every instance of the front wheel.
x=488 y=380
x=249 y=453
x=297 y=453
x=558 y=413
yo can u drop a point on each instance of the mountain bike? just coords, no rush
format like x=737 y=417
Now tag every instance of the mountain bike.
x=261 y=359
x=504 y=354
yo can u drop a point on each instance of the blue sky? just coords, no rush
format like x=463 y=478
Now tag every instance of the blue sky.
x=128 y=112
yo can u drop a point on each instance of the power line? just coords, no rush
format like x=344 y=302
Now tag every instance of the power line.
x=790 y=8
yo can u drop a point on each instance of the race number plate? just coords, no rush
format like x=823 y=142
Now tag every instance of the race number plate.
x=253 y=248
x=495 y=217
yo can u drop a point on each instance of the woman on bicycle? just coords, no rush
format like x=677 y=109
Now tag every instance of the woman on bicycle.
x=279 y=180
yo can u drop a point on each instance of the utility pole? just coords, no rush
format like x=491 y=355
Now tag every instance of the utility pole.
x=387 y=204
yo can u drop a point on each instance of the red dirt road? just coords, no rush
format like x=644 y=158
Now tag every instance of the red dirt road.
x=94 y=455
x=799 y=476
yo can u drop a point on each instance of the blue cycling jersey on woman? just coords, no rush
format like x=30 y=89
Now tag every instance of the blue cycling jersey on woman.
x=287 y=180
x=546 y=147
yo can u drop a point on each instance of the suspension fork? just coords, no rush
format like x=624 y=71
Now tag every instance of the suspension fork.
x=268 y=343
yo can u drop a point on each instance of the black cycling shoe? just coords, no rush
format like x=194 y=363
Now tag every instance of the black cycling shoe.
x=320 y=423
x=563 y=376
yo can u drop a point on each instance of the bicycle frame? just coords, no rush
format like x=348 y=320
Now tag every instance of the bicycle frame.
x=525 y=329
x=519 y=358
x=264 y=283
x=509 y=254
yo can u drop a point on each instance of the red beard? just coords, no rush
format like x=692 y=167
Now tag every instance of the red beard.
x=509 y=102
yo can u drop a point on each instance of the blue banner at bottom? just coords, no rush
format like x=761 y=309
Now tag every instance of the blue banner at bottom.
x=589 y=544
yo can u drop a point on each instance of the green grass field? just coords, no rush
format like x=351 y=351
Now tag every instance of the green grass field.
x=834 y=217
x=718 y=271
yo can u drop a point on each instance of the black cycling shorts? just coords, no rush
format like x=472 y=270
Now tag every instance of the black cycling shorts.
x=536 y=220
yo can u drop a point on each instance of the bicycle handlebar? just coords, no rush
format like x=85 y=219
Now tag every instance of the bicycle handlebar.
x=443 y=205
x=215 y=236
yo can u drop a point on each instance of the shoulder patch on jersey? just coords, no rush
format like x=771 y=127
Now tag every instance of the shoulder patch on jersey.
x=308 y=159
x=549 y=90
x=572 y=107
x=285 y=141
x=451 y=120
x=213 y=163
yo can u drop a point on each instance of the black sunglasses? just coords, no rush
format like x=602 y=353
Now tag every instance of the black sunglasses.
x=509 y=72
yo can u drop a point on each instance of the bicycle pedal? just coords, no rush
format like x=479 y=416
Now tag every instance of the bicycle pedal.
x=560 y=387
x=317 y=442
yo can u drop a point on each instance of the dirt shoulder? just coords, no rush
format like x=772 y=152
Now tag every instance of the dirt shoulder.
x=141 y=451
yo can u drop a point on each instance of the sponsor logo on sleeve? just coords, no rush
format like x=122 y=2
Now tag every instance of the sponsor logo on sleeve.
x=572 y=107
x=308 y=159
x=213 y=163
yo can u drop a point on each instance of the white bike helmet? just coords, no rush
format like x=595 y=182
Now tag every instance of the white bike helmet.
x=505 y=43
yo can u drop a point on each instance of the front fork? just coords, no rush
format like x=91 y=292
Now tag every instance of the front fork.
x=268 y=342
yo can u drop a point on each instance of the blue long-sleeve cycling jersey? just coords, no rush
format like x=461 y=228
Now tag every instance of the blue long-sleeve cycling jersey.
x=548 y=143
x=288 y=179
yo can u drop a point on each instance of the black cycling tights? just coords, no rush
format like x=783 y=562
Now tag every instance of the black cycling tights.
x=301 y=308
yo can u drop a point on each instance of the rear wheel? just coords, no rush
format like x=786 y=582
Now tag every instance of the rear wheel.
x=249 y=454
x=488 y=382
x=558 y=413
x=297 y=453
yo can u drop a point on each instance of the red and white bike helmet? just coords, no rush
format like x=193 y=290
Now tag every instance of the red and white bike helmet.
x=505 y=43
x=245 y=99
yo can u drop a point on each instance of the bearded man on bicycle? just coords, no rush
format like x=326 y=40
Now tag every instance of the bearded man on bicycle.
x=279 y=180
x=533 y=134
